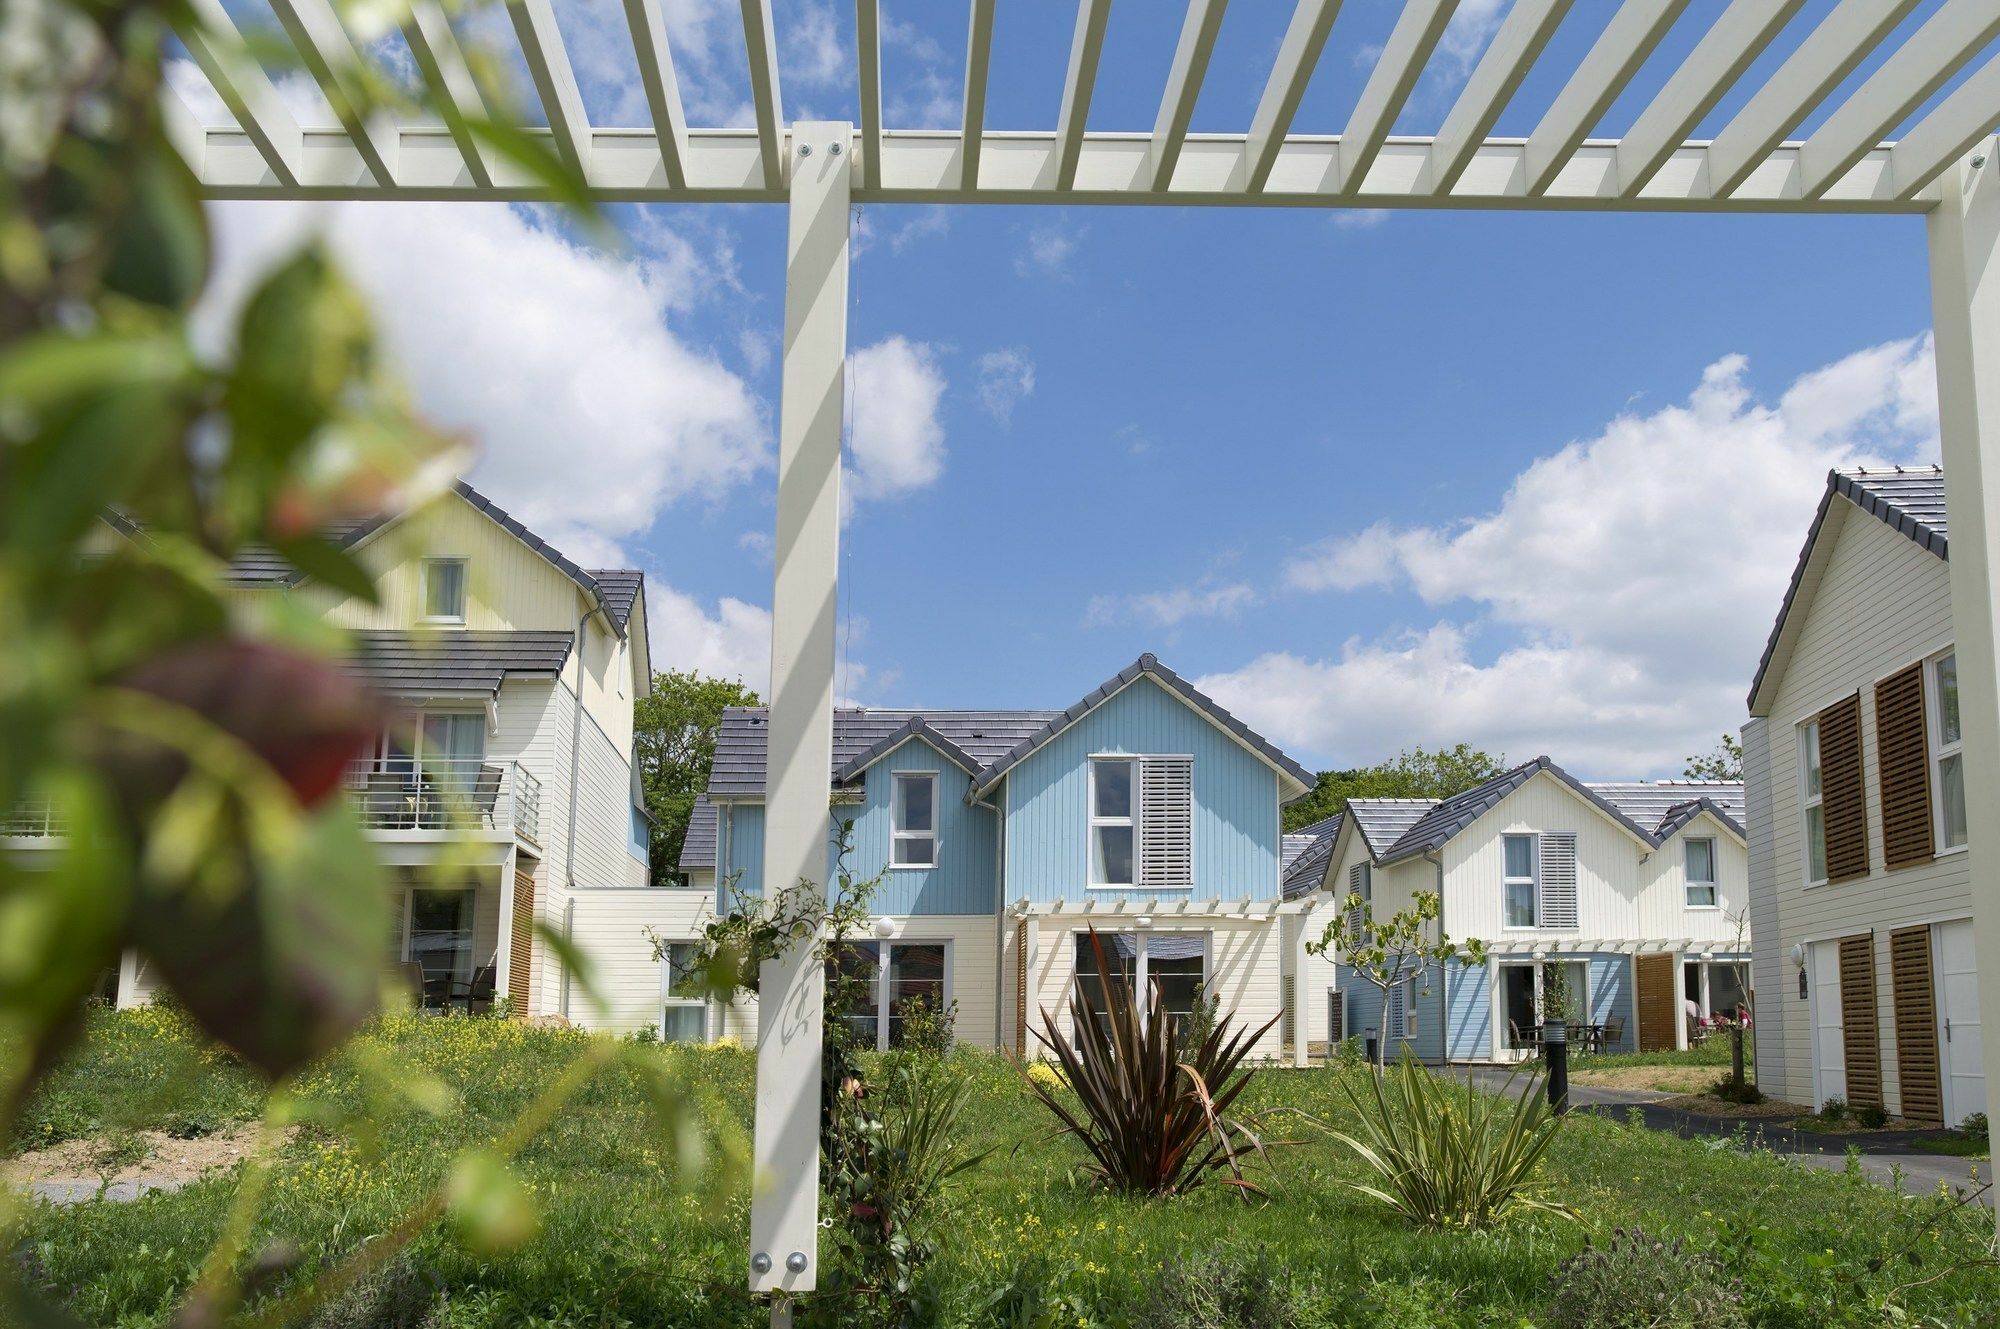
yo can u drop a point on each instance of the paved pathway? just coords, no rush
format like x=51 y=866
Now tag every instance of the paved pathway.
x=76 y=1190
x=1888 y=1157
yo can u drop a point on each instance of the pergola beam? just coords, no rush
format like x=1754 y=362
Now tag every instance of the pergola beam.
x=763 y=48
x=1085 y=48
x=1953 y=128
x=217 y=47
x=978 y=59
x=1298 y=57
x=1620 y=49
x=663 y=90
x=555 y=82
x=1389 y=85
x=1177 y=103
x=457 y=97
x=868 y=72
x=1718 y=60
x=330 y=57
x=1918 y=68
x=1827 y=55
x=1513 y=52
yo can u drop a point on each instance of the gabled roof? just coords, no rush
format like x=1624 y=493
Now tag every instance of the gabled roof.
x=1305 y=854
x=1150 y=666
x=1382 y=821
x=1447 y=818
x=620 y=588
x=699 y=847
x=1664 y=806
x=418 y=663
x=917 y=727
x=1908 y=499
x=740 y=743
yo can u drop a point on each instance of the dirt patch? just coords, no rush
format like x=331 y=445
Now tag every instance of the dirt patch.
x=1709 y=1106
x=153 y=1155
x=1661 y=1079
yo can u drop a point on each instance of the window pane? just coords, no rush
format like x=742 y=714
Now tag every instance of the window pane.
x=680 y=966
x=1725 y=991
x=682 y=1023
x=915 y=850
x=1951 y=797
x=1815 y=844
x=1947 y=681
x=916 y=973
x=1520 y=856
x=1121 y=955
x=1702 y=897
x=441 y=933
x=1113 y=851
x=1701 y=860
x=1812 y=759
x=918 y=811
x=1114 y=788
x=444 y=588
x=1520 y=904
x=858 y=961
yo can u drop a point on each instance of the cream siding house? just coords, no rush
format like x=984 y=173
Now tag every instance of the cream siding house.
x=1638 y=889
x=506 y=799
x=1859 y=883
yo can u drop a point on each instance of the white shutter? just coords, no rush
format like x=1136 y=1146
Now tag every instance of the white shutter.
x=1357 y=884
x=1166 y=823
x=1392 y=1019
x=1557 y=880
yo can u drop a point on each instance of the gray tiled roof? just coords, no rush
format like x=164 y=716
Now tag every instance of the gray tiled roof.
x=1382 y=821
x=1148 y=664
x=1654 y=803
x=1909 y=499
x=915 y=727
x=1306 y=852
x=421 y=662
x=1684 y=813
x=984 y=736
x=261 y=565
x=698 y=848
x=1454 y=814
x=620 y=588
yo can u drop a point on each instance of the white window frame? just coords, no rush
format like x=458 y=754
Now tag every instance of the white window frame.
x=464 y=566
x=1809 y=800
x=1090 y=855
x=1690 y=881
x=1532 y=880
x=1141 y=975
x=668 y=1000
x=1940 y=751
x=898 y=833
x=883 y=946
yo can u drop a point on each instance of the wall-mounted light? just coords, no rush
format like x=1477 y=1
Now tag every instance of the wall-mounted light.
x=1799 y=954
x=885 y=928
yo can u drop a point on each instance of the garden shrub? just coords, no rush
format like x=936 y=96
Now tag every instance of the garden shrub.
x=1729 y=1091
x=928 y=1028
x=1975 y=1125
x=399 y=1295
x=1871 y=1116
x=1217 y=1288
x=1640 y=1282
x=1833 y=1111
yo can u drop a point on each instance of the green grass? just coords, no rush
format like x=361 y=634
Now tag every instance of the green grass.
x=1714 y=1052
x=1023 y=1241
x=1956 y=1146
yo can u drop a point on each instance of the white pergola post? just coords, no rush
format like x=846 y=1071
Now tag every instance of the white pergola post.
x=1965 y=315
x=1300 y=1016
x=784 y=1210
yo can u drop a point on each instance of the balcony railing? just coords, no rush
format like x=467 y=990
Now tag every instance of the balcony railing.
x=449 y=794
x=32 y=819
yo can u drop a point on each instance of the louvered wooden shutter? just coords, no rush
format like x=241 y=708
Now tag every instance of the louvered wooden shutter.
x=520 y=947
x=1916 y=1024
x=1556 y=882
x=1843 y=793
x=1356 y=875
x=1860 y=1032
x=1021 y=988
x=1903 y=764
x=1658 y=1011
x=1166 y=822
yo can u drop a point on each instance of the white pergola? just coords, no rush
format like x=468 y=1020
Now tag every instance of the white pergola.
x=1938 y=167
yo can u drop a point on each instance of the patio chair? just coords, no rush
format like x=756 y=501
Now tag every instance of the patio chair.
x=476 y=995
x=416 y=981
x=486 y=793
x=386 y=802
x=1613 y=1035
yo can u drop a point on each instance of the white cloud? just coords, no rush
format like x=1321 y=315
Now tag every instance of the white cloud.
x=898 y=441
x=1006 y=377
x=1171 y=608
x=588 y=411
x=1629 y=580
x=926 y=224
x=1050 y=245
x=733 y=642
x=815 y=57
x=1359 y=219
x=1466 y=37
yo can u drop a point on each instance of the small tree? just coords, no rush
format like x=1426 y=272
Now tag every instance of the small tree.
x=1384 y=953
x=1725 y=763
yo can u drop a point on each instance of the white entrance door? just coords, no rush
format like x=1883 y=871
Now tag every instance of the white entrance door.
x=1958 y=1009
x=1829 y=1047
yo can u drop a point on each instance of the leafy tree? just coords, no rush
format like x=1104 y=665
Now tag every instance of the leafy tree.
x=1416 y=773
x=1383 y=953
x=673 y=741
x=1725 y=763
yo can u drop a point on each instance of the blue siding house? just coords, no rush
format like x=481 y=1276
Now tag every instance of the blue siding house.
x=997 y=839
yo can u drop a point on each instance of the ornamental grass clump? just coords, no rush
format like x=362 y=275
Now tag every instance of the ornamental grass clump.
x=1448 y=1156
x=1642 y=1282
x=1150 y=1103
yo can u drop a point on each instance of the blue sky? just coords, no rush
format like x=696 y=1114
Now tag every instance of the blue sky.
x=1532 y=481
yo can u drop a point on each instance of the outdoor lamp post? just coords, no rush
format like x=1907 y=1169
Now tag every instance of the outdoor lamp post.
x=1369 y=1045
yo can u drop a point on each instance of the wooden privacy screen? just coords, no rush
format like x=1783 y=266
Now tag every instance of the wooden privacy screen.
x=1861 y=1030
x=1021 y=988
x=1903 y=764
x=1657 y=1009
x=1917 y=1070
x=520 y=948
x=1843 y=793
